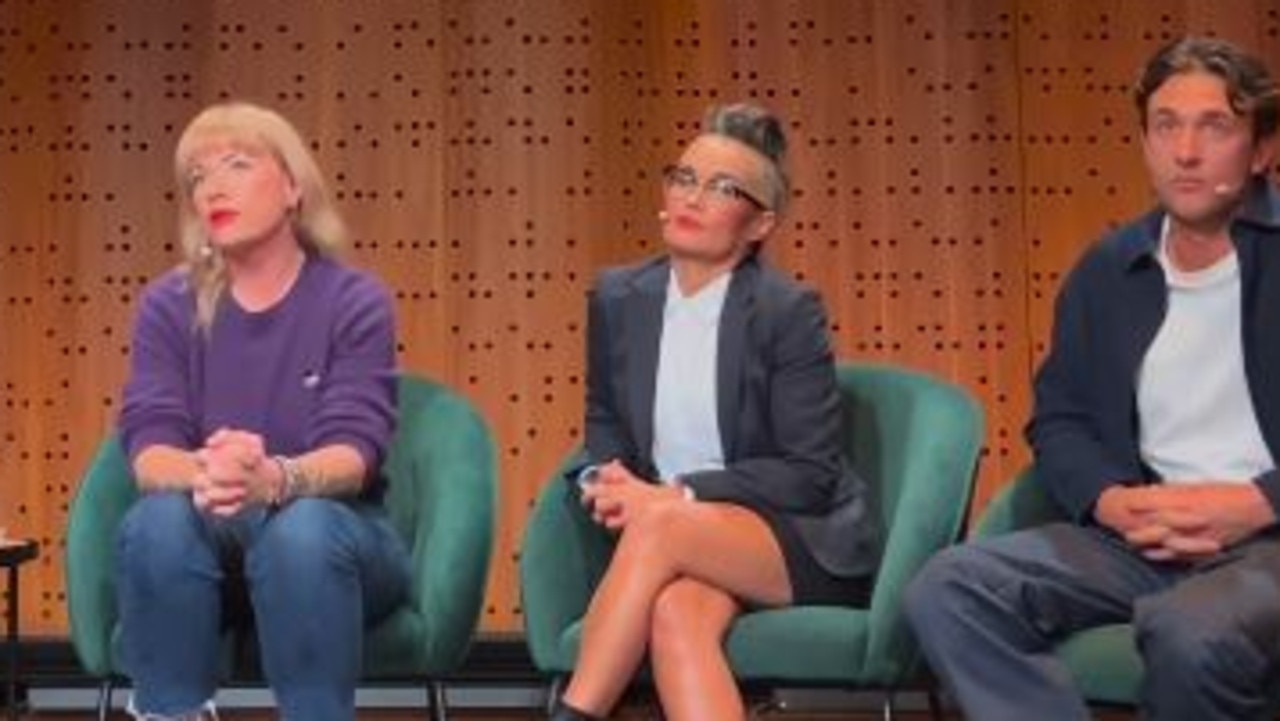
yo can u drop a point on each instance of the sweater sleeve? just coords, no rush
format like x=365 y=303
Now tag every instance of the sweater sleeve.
x=358 y=405
x=157 y=405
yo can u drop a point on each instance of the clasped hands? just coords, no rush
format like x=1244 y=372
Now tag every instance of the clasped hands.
x=1184 y=522
x=234 y=470
x=618 y=496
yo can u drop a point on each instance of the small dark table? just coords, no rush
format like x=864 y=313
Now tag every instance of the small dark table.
x=14 y=553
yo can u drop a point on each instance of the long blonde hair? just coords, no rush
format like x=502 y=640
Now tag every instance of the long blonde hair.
x=316 y=222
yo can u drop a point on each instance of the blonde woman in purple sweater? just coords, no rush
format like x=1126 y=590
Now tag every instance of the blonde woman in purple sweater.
x=259 y=406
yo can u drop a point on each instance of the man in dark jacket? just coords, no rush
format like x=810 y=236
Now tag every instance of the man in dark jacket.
x=1156 y=428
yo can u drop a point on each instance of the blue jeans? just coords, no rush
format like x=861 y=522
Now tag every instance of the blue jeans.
x=317 y=572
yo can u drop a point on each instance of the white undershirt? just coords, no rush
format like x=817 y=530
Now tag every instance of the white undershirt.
x=1196 y=418
x=686 y=427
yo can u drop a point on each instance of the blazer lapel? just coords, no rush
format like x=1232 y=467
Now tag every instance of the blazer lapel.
x=731 y=354
x=643 y=335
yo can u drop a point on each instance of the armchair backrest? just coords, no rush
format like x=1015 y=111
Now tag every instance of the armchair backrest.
x=916 y=440
x=441 y=496
x=440 y=430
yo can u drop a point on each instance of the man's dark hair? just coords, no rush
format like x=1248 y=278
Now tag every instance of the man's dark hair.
x=1250 y=88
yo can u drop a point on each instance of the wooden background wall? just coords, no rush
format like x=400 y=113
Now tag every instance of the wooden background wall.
x=951 y=157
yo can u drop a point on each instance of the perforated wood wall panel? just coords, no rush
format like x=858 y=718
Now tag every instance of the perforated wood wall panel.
x=950 y=160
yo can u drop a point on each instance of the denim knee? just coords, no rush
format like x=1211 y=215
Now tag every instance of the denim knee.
x=933 y=589
x=161 y=528
x=304 y=545
x=1193 y=645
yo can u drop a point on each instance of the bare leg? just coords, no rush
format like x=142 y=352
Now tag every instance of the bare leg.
x=694 y=681
x=723 y=546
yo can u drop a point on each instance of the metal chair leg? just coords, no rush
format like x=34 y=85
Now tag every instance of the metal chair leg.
x=104 y=697
x=935 y=705
x=888 y=711
x=439 y=710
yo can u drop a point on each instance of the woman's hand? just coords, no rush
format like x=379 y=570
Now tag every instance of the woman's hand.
x=218 y=486
x=234 y=471
x=618 y=496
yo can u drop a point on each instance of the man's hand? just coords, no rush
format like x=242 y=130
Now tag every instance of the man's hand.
x=1123 y=508
x=1184 y=522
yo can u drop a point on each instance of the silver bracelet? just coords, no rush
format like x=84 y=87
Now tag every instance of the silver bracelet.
x=292 y=480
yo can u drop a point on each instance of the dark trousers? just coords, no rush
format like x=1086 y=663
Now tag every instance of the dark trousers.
x=988 y=615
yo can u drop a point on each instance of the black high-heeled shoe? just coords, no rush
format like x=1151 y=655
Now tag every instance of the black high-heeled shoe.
x=564 y=712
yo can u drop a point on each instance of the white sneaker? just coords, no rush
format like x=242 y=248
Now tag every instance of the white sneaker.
x=207 y=712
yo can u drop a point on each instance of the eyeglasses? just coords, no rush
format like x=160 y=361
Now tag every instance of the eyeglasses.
x=719 y=188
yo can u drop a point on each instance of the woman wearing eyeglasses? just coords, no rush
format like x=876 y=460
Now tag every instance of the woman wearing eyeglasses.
x=713 y=425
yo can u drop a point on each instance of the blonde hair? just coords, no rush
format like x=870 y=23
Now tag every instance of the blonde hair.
x=316 y=222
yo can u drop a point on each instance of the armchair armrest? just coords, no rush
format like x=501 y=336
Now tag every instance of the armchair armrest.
x=1022 y=503
x=562 y=557
x=917 y=439
x=443 y=466
x=104 y=496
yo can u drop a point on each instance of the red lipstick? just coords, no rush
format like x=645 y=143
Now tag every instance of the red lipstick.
x=685 y=222
x=220 y=218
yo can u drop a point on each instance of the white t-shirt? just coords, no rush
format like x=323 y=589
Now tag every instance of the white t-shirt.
x=686 y=427
x=1196 y=418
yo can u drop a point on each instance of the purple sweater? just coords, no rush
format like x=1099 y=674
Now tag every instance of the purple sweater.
x=315 y=369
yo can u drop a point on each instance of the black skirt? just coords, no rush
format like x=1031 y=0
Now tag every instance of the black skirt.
x=811 y=583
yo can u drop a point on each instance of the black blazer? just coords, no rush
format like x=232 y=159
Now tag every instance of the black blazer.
x=779 y=404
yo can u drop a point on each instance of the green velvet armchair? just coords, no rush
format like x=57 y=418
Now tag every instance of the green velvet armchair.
x=1103 y=661
x=915 y=438
x=442 y=498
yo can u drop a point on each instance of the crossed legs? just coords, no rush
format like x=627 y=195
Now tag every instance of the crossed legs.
x=672 y=589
